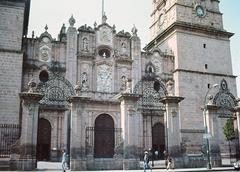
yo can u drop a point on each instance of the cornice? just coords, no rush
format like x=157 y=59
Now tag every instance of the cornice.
x=187 y=27
x=204 y=73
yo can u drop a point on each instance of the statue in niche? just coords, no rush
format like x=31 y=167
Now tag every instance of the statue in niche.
x=85 y=44
x=84 y=81
x=170 y=88
x=123 y=83
x=124 y=47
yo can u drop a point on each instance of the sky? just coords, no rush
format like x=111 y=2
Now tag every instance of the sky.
x=124 y=14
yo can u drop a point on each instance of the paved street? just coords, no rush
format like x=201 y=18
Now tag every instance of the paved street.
x=54 y=167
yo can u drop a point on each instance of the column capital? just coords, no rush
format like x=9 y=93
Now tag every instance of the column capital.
x=128 y=96
x=33 y=97
x=171 y=99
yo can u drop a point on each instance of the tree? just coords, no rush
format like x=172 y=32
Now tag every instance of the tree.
x=229 y=133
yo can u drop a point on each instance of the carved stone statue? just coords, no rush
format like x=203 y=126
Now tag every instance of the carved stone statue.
x=170 y=85
x=123 y=83
x=84 y=81
x=85 y=44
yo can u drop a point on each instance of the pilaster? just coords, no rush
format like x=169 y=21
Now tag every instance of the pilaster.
x=130 y=122
x=136 y=57
x=172 y=127
x=23 y=155
x=78 y=159
x=71 y=59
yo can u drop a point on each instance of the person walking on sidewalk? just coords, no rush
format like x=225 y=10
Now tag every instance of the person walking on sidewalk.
x=146 y=161
x=64 y=160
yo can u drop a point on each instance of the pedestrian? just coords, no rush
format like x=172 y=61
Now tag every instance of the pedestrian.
x=64 y=160
x=146 y=161
x=169 y=165
x=165 y=154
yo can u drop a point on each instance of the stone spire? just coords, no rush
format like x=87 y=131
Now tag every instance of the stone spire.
x=72 y=21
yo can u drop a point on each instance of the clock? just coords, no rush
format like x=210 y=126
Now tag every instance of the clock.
x=46 y=40
x=200 y=11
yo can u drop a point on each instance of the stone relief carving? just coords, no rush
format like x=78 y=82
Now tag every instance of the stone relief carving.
x=104 y=78
x=45 y=53
x=56 y=91
x=225 y=100
x=152 y=90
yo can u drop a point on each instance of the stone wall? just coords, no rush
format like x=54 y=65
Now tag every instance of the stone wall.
x=11 y=25
x=10 y=86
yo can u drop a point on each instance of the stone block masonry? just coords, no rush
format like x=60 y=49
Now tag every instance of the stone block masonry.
x=10 y=86
x=11 y=25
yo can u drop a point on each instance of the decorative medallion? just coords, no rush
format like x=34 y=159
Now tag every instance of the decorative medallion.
x=45 y=53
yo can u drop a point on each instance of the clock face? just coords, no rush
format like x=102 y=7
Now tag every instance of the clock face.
x=200 y=11
x=46 y=40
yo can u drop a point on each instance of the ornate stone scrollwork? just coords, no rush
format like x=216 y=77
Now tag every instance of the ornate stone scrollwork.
x=56 y=91
x=152 y=90
x=224 y=99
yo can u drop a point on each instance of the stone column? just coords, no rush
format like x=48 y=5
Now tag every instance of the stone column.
x=212 y=123
x=23 y=155
x=130 y=122
x=78 y=159
x=172 y=127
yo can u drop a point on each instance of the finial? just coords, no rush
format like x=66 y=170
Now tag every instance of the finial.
x=134 y=30
x=33 y=34
x=114 y=27
x=72 y=21
x=104 y=18
x=95 y=24
x=46 y=27
x=63 y=29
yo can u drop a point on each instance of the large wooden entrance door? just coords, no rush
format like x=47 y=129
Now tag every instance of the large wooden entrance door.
x=104 y=137
x=158 y=139
x=43 y=140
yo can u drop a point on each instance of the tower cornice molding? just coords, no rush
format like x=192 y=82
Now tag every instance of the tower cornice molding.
x=188 y=27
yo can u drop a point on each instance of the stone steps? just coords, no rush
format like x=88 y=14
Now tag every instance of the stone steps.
x=4 y=164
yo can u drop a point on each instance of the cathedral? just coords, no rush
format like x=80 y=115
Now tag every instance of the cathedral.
x=95 y=93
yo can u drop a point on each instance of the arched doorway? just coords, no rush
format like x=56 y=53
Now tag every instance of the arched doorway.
x=104 y=137
x=158 y=139
x=43 y=140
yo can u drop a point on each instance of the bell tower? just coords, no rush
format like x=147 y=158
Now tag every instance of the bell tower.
x=192 y=30
x=200 y=12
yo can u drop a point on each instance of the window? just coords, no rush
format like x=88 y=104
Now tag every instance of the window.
x=43 y=76
x=206 y=66
x=105 y=53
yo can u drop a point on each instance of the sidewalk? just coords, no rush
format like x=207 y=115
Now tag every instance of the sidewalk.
x=56 y=167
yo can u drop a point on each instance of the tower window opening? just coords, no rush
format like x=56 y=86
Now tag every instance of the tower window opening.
x=206 y=66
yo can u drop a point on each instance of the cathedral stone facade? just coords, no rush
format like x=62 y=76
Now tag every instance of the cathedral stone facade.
x=95 y=93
